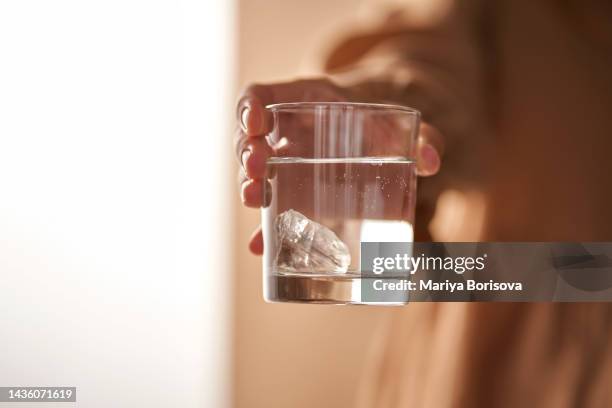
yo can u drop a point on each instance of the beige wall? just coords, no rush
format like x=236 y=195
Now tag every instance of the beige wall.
x=290 y=355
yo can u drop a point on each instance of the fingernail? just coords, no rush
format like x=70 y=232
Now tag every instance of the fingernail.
x=244 y=157
x=244 y=118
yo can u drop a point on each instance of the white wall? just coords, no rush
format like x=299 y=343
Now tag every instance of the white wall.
x=113 y=198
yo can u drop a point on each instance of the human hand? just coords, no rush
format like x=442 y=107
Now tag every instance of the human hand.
x=255 y=122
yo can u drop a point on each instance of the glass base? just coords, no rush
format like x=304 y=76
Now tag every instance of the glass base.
x=333 y=289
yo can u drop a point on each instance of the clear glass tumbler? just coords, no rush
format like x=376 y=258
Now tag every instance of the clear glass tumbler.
x=341 y=174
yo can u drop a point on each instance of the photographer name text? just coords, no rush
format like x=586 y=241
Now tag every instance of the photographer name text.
x=445 y=286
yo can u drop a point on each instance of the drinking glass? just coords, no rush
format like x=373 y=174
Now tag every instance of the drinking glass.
x=341 y=174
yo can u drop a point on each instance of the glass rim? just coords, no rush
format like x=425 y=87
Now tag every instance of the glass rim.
x=288 y=106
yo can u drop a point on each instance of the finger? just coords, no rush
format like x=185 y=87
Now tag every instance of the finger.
x=430 y=147
x=256 y=193
x=251 y=193
x=428 y=160
x=430 y=135
x=254 y=157
x=251 y=113
x=256 y=120
x=256 y=244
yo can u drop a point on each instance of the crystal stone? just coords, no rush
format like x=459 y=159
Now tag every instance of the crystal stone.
x=307 y=246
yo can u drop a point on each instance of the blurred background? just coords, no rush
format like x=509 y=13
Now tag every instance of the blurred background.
x=124 y=268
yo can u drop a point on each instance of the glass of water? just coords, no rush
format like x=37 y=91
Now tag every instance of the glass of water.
x=341 y=174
